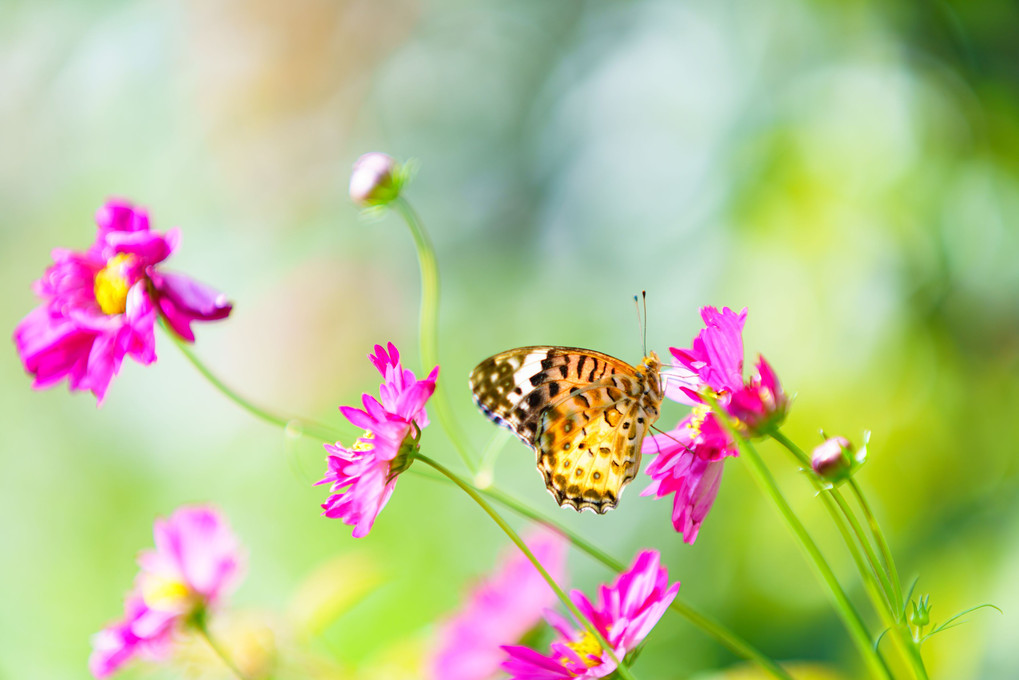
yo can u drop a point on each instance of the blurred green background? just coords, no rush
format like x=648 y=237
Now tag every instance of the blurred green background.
x=847 y=170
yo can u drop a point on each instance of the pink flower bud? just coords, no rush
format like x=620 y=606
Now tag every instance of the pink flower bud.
x=833 y=459
x=375 y=180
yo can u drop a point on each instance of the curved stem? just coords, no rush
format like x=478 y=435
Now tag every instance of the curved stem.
x=892 y=613
x=623 y=671
x=300 y=425
x=429 y=327
x=850 y=617
x=828 y=495
x=203 y=630
x=716 y=630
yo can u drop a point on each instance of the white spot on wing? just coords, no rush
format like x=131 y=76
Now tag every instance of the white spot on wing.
x=530 y=367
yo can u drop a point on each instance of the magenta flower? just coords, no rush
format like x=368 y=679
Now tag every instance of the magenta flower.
x=688 y=463
x=501 y=610
x=363 y=477
x=760 y=405
x=688 y=460
x=196 y=563
x=101 y=305
x=716 y=356
x=626 y=612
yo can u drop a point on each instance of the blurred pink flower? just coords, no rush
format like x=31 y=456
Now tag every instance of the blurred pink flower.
x=196 y=563
x=500 y=611
x=101 y=305
x=363 y=477
x=626 y=612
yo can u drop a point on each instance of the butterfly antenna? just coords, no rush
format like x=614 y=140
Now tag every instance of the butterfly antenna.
x=643 y=294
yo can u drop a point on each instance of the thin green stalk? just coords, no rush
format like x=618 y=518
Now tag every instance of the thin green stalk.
x=833 y=494
x=203 y=630
x=910 y=646
x=298 y=425
x=850 y=617
x=892 y=614
x=714 y=629
x=429 y=328
x=882 y=544
x=621 y=668
x=485 y=475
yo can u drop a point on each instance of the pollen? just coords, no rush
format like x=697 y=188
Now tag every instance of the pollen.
x=111 y=284
x=698 y=414
x=166 y=594
x=587 y=648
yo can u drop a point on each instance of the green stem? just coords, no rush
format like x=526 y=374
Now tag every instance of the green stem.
x=890 y=608
x=850 y=617
x=714 y=629
x=203 y=630
x=485 y=475
x=882 y=544
x=299 y=425
x=429 y=327
x=828 y=495
x=623 y=671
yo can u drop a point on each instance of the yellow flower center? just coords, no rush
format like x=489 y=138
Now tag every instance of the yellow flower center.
x=361 y=444
x=586 y=648
x=166 y=594
x=698 y=414
x=111 y=284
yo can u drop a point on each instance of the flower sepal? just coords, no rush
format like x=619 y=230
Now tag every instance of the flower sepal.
x=405 y=455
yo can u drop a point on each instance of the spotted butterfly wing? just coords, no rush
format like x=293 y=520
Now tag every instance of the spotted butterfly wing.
x=585 y=414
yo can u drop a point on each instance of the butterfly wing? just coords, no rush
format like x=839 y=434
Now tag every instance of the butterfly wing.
x=585 y=413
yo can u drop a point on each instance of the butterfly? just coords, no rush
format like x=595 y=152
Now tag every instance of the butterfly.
x=585 y=414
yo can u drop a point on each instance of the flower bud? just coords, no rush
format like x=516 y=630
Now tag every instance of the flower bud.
x=375 y=180
x=833 y=459
x=920 y=611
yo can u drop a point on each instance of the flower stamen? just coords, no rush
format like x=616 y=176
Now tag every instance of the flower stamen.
x=587 y=648
x=112 y=284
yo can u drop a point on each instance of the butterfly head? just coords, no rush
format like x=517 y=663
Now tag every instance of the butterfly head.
x=651 y=363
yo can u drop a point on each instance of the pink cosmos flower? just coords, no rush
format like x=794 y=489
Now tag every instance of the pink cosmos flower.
x=626 y=612
x=688 y=463
x=500 y=611
x=716 y=356
x=101 y=305
x=760 y=405
x=196 y=563
x=688 y=460
x=363 y=477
